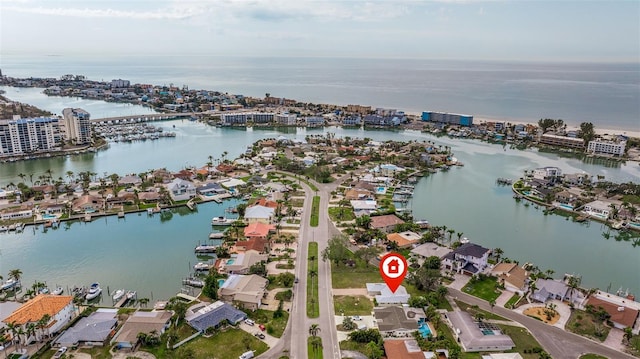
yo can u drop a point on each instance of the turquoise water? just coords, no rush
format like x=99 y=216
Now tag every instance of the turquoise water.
x=381 y=190
x=230 y=261
x=424 y=329
x=220 y=282
x=48 y=216
x=566 y=206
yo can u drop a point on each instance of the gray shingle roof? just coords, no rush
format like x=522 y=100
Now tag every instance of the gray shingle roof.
x=471 y=249
x=214 y=314
x=94 y=328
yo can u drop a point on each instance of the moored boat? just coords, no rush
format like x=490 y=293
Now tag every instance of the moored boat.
x=131 y=294
x=94 y=291
x=57 y=291
x=9 y=284
x=216 y=235
x=201 y=266
x=193 y=282
x=222 y=221
x=117 y=295
x=206 y=248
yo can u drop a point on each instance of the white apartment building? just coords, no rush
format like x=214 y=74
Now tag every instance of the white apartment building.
x=77 y=125
x=607 y=147
x=26 y=135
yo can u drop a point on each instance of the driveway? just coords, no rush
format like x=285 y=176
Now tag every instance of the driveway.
x=460 y=280
x=504 y=298
x=252 y=329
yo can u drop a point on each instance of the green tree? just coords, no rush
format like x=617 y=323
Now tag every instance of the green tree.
x=364 y=221
x=336 y=250
x=374 y=351
x=210 y=288
x=587 y=132
x=546 y=124
x=314 y=329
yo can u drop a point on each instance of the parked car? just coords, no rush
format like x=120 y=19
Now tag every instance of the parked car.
x=259 y=335
x=261 y=326
x=246 y=355
x=60 y=352
x=356 y=317
x=295 y=280
x=249 y=322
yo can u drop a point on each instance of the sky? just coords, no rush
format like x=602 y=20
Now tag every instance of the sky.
x=587 y=31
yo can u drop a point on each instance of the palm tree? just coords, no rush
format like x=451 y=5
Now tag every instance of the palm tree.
x=314 y=329
x=15 y=274
x=13 y=328
x=69 y=175
x=22 y=176
x=498 y=252
x=143 y=301
x=42 y=323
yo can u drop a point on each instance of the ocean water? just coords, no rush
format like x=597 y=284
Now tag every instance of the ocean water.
x=607 y=94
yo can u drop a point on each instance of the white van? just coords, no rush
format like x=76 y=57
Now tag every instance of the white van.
x=246 y=355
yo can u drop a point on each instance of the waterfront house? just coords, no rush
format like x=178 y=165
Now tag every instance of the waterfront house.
x=358 y=194
x=93 y=330
x=352 y=121
x=149 y=196
x=239 y=263
x=266 y=203
x=203 y=316
x=87 y=204
x=409 y=349
x=260 y=214
x=405 y=239
x=258 y=230
x=130 y=180
x=245 y=291
x=210 y=189
x=60 y=309
x=27 y=213
x=624 y=311
x=576 y=179
x=555 y=290
x=181 y=190
x=513 y=277
x=384 y=296
x=427 y=250
x=469 y=259
x=397 y=322
x=562 y=141
x=141 y=322
x=565 y=197
x=363 y=207
x=314 y=121
x=477 y=336
x=232 y=183
x=548 y=174
x=385 y=223
x=600 y=209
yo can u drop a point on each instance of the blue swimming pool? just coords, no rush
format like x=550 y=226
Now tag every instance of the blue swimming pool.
x=424 y=329
x=220 y=282
x=381 y=190
x=566 y=206
x=48 y=216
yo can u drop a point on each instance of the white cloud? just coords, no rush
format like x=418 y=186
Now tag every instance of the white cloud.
x=161 y=14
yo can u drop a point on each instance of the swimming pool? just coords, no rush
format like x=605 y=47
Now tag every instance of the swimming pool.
x=220 y=282
x=424 y=329
x=566 y=206
x=230 y=261
x=48 y=216
x=381 y=190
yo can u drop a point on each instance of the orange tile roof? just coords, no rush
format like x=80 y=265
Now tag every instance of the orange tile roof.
x=626 y=317
x=257 y=244
x=400 y=240
x=258 y=229
x=397 y=349
x=33 y=310
x=267 y=203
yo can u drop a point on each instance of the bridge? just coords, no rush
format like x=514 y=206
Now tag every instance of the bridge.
x=148 y=117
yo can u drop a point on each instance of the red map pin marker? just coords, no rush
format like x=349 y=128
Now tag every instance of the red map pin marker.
x=393 y=269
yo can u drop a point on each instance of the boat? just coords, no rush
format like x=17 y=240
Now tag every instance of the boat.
x=9 y=284
x=201 y=266
x=222 y=221
x=206 y=248
x=216 y=235
x=57 y=291
x=44 y=290
x=131 y=294
x=4 y=228
x=117 y=295
x=193 y=282
x=94 y=291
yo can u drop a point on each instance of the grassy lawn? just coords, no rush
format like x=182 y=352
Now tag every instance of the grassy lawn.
x=311 y=352
x=275 y=326
x=592 y=356
x=313 y=307
x=487 y=315
x=341 y=214
x=635 y=345
x=228 y=344
x=512 y=301
x=522 y=339
x=350 y=345
x=352 y=305
x=486 y=288
x=96 y=352
x=315 y=211
x=587 y=325
x=354 y=277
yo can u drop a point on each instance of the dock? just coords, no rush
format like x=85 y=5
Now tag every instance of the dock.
x=121 y=302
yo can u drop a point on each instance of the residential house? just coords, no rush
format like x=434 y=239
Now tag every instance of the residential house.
x=314 y=121
x=385 y=223
x=352 y=121
x=406 y=239
x=59 y=308
x=409 y=349
x=548 y=174
x=577 y=179
x=469 y=259
x=363 y=207
x=555 y=290
x=27 y=213
x=149 y=196
x=130 y=180
x=513 y=277
x=203 y=316
x=88 y=203
x=246 y=291
x=623 y=310
x=384 y=296
x=266 y=202
x=93 y=330
x=141 y=322
x=427 y=250
x=258 y=230
x=397 y=322
x=358 y=194
x=181 y=190
x=260 y=214
x=565 y=197
x=232 y=183
x=600 y=209
x=239 y=263
x=474 y=339
x=210 y=188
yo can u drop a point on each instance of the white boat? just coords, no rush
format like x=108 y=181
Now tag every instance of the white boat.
x=57 y=291
x=206 y=248
x=201 y=266
x=118 y=294
x=44 y=290
x=193 y=282
x=216 y=235
x=94 y=291
x=9 y=284
x=222 y=221
x=131 y=294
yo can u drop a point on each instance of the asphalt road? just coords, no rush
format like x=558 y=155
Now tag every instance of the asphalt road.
x=558 y=343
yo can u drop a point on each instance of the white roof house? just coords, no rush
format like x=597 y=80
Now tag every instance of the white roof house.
x=181 y=190
x=259 y=213
x=384 y=295
x=232 y=183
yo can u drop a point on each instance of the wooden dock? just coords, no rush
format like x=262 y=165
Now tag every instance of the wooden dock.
x=121 y=302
